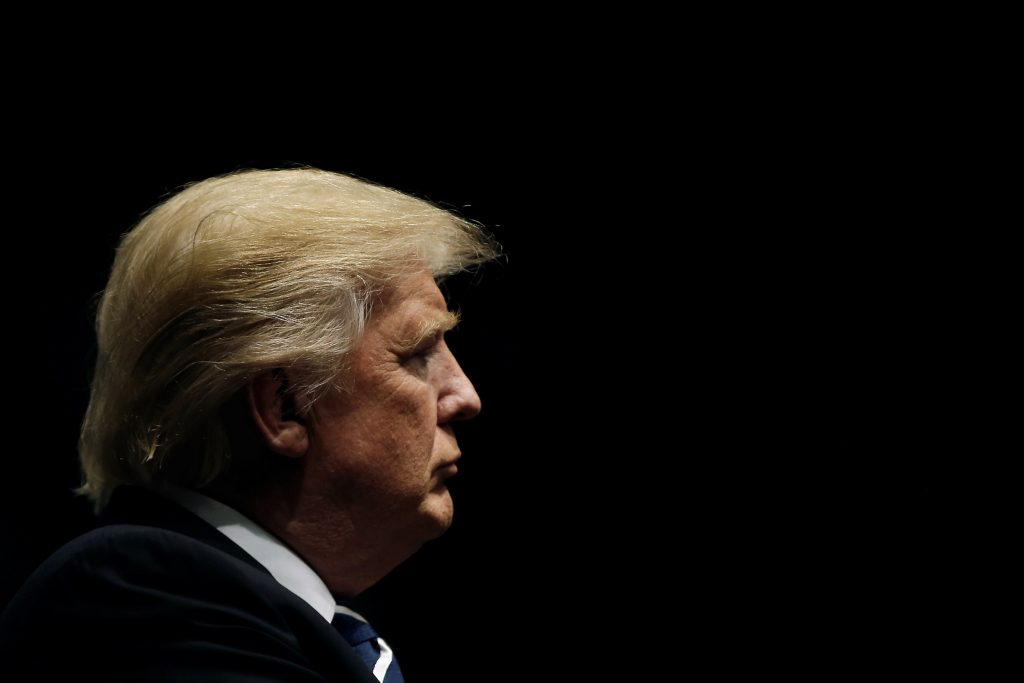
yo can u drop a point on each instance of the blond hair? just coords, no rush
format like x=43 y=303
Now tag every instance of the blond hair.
x=233 y=276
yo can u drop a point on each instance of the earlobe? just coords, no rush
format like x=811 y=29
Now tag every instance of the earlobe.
x=272 y=408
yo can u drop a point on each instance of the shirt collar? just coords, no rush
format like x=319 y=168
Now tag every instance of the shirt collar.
x=283 y=564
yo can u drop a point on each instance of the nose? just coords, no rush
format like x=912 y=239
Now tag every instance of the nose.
x=458 y=399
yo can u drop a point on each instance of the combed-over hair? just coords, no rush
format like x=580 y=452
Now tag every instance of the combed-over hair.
x=233 y=276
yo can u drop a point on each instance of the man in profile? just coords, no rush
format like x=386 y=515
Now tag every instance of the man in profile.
x=269 y=432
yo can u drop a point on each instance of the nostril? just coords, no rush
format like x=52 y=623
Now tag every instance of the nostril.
x=467 y=413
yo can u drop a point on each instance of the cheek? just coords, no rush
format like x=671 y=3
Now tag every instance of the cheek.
x=406 y=421
x=414 y=404
x=396 y=413
x=421 y=439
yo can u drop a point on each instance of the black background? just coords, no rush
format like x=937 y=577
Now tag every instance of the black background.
x=716 y=381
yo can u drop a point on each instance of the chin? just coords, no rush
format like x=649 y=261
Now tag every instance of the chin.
x=440 y=511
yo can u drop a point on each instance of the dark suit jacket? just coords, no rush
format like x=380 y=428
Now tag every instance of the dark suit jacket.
x=157 y=594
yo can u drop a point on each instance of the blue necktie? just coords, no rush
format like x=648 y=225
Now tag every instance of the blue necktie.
x=370 y=647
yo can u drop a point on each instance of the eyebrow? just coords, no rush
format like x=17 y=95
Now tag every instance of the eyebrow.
x=429 y=328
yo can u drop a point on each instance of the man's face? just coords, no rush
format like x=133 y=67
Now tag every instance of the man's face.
x=386 y=447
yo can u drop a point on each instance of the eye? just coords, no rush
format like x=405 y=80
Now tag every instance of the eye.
x=423 y=352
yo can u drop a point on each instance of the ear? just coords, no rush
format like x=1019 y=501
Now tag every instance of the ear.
x=272 y=408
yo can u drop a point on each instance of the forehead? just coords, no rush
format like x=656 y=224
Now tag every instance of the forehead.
x=412 y=307
x=416 y=293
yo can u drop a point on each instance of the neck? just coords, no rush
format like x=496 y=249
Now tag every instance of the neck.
x=349 y=557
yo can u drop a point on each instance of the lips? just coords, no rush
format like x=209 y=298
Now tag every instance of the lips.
x=449 y=468
x=442 y=474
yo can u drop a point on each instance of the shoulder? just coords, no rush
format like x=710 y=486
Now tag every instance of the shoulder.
x=128 y=557
x=137 y=593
